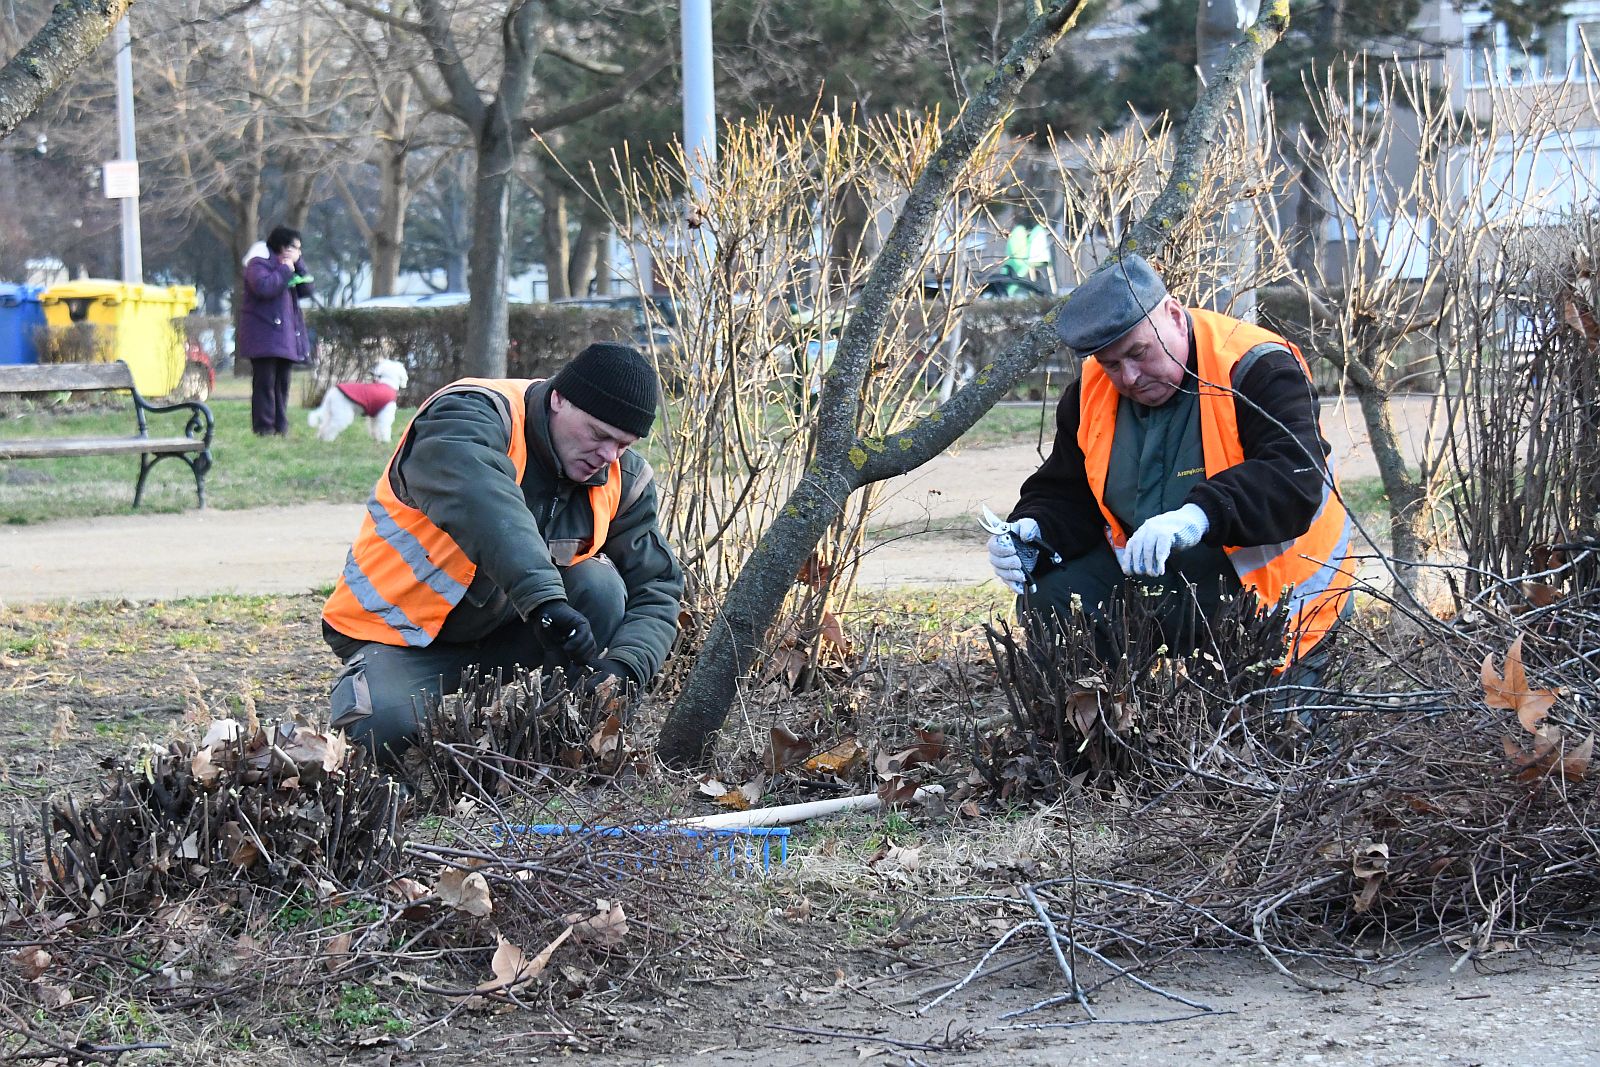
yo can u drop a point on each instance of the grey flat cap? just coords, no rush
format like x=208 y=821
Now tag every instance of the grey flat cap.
x=1110 y=302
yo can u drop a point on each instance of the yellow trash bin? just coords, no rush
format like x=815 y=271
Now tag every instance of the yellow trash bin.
x=96 y=321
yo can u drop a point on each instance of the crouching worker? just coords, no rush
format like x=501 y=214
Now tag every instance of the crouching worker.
x=1188 y=458
x=514 y=526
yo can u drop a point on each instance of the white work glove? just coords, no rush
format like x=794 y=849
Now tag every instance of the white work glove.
x=1160 y=536
x=1012 y=554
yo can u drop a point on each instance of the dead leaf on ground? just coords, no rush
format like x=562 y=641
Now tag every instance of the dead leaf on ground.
x=606 y=929
x=512 y=967
x=930 y=749
x=1511 y=691
x=833 y=637
x=243 y=849
x=784 y=750
x=336 y=953
x=61 y=732
x=842 y=760
x=607 y=741
x=466 y=891
x=896 y=790
x=31 y=961
x=895 y=858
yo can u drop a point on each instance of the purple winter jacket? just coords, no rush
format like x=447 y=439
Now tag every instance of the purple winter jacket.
x=270 y=323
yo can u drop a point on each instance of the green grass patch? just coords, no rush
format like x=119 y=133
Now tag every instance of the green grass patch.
x=247 y=472
x=1012 y=424
x=1365 y=499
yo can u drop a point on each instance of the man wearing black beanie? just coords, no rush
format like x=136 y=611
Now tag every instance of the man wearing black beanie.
x=514 y=526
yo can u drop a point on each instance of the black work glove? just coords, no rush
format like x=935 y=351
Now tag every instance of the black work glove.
x=604 y=669
x=565 y=626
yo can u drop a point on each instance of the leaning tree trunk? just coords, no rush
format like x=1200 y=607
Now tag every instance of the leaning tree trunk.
x=74 y=31
x=845 y=460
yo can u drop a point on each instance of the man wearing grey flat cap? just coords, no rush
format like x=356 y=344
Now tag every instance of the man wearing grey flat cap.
x=1189 y=458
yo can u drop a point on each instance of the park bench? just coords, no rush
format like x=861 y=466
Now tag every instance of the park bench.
x=194 y=448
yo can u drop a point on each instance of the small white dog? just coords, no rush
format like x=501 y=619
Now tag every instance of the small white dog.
x=345 y=402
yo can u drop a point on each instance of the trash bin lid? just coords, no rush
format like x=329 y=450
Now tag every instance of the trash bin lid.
x=14 y=295
x=114 y=292
x=85 y=288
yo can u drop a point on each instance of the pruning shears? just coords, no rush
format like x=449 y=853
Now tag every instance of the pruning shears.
x=1027 y=552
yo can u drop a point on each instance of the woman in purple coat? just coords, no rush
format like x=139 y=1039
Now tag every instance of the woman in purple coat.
x=272 y=331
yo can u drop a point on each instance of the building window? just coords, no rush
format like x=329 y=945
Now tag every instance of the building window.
x=1569 y=49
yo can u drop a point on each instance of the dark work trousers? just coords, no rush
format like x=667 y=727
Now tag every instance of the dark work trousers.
x=382 y=692
x=269 y=394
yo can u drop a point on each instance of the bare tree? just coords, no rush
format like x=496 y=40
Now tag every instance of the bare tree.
x=483 y=75
x=844 y=459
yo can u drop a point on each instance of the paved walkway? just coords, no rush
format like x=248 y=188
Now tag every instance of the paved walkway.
x=925 y=534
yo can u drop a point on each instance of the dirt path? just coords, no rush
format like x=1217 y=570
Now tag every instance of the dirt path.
x=924 y=534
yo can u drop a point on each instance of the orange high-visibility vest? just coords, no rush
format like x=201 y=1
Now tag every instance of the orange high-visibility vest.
x=1314 y=563
x=404 y=575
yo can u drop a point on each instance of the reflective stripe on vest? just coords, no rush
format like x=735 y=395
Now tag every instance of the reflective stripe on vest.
x=1313 y=564
x=404 y=575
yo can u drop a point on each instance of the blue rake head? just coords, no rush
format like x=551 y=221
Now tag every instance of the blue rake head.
x=737 y=849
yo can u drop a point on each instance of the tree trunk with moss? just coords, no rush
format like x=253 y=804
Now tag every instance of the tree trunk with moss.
x=845 y=459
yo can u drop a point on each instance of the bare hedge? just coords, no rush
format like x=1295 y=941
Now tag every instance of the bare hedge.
x=430 y=342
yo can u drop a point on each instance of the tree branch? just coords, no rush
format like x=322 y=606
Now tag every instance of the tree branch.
x=73 y=32
x=377 y=14
x=582 y=62
x=541 y=122
x=930 y=435
x=464 y=95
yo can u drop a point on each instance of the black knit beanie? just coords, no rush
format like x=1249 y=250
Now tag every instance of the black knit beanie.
x=612 y=382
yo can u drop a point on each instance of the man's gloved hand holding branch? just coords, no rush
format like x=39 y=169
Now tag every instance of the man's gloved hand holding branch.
x=1160 y=536
x=1013 y=554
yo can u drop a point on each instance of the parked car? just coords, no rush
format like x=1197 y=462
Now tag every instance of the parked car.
x=649 y=331
x=414 y=300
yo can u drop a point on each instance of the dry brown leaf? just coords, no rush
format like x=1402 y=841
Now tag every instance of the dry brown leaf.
x=1083 y=711
x=51 y=996
x=61 y=732
x=711 y=787
x=896 y=790
x=243 y=850
x=833 y=637
x=606 y=929
x=512 y=967
x=895 y=858
x=842 y=760
x=784 y=750
x=31 y=961
x=1539 y=594
x=1575 y=765
x=930 y=749
x=466 y=891
x=1511 y=691
x=814 y=574
x=336 y=952
x=607 y=740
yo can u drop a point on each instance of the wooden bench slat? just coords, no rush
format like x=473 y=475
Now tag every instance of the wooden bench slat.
x=43 y=447
x=64 y=377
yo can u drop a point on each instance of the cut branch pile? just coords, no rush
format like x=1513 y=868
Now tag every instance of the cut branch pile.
x=1457 y=804
x=272 y=805
x=1088 y=701
x=491 y=734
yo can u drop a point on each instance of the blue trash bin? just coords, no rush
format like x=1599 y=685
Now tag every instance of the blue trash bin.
x=20 y=315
